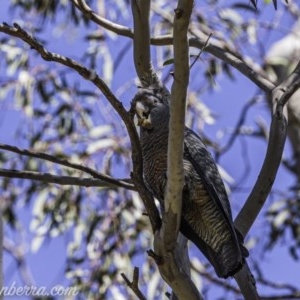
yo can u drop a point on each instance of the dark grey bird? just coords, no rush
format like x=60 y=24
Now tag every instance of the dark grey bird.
x=206 y=214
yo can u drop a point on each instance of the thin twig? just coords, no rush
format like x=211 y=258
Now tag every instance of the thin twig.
x=18 y=254
x=282 y=297
x=65 y=180
x=111 y=26
x=134 y=284
x=237 y=127
x=220 y=282
x=201 y=50
x=264 y=281
x=66 y=163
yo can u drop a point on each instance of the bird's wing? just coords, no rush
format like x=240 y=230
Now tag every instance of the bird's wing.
x=204 y=165
x=206 y=168
x=230 y=260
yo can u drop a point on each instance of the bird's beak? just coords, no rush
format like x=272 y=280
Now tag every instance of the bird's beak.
x=143 y=114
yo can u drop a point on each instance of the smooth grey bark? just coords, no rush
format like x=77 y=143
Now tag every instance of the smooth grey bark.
x=280 y=61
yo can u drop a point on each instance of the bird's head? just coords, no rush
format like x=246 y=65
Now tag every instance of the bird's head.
x=151 y=106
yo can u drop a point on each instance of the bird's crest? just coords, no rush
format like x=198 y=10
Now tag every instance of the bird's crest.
x=152 y=82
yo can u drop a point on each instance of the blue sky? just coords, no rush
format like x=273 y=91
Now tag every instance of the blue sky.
x=47 y=265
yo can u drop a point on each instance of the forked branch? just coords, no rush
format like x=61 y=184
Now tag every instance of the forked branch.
x=60 y=161
x=93 y=77
x=134 y=284
x=277 y=138
x=65 y=180
x=217 y=48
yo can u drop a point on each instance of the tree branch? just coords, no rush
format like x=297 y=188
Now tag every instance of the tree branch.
x=246 y=283
x=104 y=178
x=257 y=198
x=140 y=11
x=134 y=284
x=215 y=47
x=137 y=175
x=18 y=254
x=141 y=39
x=111 y=26
x=175 y=173
x=173 y=270
x=278 y=132
x=237 y=127
x=287 y=296
x=217 y=281
x=220 y=49
x=65 y=180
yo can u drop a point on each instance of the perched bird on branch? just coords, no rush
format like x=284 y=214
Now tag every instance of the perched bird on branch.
x=206 y=215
